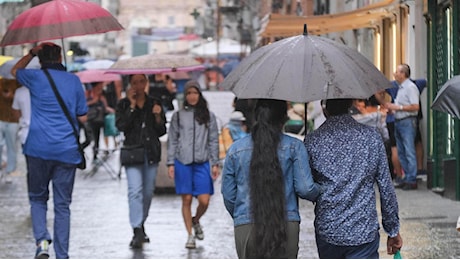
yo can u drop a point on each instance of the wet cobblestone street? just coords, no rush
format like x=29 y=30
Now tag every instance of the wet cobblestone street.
x=100 y=226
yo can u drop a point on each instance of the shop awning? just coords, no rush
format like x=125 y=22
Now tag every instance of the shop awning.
x=366 y=17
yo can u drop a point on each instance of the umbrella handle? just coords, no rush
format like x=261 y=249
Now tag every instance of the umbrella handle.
x=64 y=54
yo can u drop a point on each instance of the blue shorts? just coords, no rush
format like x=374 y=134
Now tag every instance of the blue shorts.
x=194 y=178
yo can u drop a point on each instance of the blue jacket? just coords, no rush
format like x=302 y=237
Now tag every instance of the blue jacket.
x=296 y=170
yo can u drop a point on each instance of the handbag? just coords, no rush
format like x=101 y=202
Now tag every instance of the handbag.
x=131 y=155
x=96 y=113
x=82 y=164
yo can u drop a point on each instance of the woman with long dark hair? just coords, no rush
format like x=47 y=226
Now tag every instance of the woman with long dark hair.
x=193 y=146
x=263 y=176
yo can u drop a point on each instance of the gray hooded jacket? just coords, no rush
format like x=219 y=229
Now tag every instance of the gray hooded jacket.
x=189 y=142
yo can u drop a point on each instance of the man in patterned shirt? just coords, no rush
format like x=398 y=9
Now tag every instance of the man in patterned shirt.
x=347 y=158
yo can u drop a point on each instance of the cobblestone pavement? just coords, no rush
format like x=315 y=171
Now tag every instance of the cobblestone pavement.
x=100 y=227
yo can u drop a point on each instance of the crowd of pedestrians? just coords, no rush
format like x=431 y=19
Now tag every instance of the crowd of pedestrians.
x=264 y=173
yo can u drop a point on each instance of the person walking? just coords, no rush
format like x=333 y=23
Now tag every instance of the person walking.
x=8 y=128
x=234 y=130
x=142 y=120
x=51 y=148
x=193 y=146
x=347 y=159
x=98 y=108
x=405 y=109
x=263 y=176
x=21 y=109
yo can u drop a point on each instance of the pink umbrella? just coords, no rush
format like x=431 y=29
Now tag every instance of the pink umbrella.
x=88 y=76
x=58 y=19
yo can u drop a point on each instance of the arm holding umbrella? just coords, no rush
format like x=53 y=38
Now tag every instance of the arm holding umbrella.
x=22 y=63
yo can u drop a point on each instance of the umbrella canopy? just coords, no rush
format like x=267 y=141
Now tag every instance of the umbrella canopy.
x=58 y=19
x=5 y=68
x=447 y=99
x=4 y=59
x=305 y=68
x=226 y=46
x=98 y=64
x=154 y=64
x=89 y=76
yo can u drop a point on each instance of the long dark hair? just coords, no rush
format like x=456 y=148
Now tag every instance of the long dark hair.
x=201 y=108
x=266 y=181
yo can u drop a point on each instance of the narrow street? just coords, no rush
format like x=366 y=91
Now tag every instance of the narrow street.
x=100 y=227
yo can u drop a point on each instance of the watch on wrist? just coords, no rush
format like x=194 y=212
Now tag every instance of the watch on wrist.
x=31 y=53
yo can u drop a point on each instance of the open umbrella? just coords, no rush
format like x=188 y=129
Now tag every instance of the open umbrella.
x=5 y=68
x=226 y=46
x=97 y=64
x=447 y=99
x=88 y=76
x=58 y=19
x=4 y=59
x=305 y=68
x=154 y=64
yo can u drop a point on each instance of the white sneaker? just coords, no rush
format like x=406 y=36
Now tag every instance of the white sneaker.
x=7 y=179
x=198 y=229
x=190 y=242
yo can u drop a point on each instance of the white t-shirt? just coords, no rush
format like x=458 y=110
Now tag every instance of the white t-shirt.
x=21 y=102
x=315 y=112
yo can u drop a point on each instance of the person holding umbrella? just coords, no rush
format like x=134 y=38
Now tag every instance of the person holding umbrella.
x=52 y=152
x=142 y=120
x=263 y=176
x=347 y=159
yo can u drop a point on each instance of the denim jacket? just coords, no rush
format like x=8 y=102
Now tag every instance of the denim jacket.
x=297 y=177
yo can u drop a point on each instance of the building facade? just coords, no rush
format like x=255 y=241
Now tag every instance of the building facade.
x=443 y=32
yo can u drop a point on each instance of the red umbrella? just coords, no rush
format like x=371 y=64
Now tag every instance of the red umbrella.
x=58 y=19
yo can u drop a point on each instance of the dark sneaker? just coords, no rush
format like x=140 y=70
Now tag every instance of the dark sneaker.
x=190 y=242
x=410 y=186
x=400 y=185
x=198 y=229
x=421 y=172
x=146 y=238
x=138 y=239
x=42 y=250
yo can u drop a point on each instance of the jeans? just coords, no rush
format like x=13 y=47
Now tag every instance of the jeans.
x=405 y=131
x=365 y=251
x=8 y=134
x=141 y=184
x=39 y=174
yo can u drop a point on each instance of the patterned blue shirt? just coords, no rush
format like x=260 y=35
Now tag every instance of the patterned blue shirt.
x=347 y=158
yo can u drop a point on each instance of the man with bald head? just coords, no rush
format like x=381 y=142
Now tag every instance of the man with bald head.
x=405 y=109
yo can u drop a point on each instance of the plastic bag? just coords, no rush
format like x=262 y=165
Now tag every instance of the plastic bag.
x=397 y=255
x=109 y=125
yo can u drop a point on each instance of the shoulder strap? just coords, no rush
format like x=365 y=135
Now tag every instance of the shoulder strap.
x=63 y=106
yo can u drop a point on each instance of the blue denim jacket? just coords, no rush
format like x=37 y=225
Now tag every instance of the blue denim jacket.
x=296 y=170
